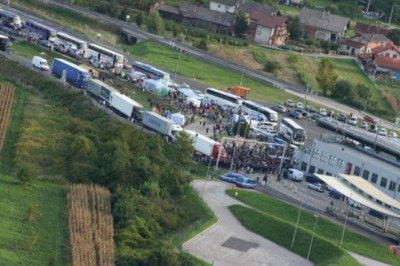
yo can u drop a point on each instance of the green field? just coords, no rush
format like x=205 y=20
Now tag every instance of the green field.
x=42 y=240
x=327 y=230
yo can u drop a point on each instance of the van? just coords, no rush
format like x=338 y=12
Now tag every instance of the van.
x=40 y=63
x=311 y=178
x=295 y=175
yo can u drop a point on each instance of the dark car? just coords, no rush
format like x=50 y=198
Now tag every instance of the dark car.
x=295 y=114
x=230 y=177
x=46 y=43
x=303 y=113
x=75 y=55
x=335 y=194
x=331 y=114
x=314 y=117
x=279 y=108
x=245 y=182
x=284 y=47
x=370 y=119
x=310 y=108
x=342 y=118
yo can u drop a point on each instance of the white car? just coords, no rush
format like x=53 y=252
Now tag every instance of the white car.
x=392 y=134
x=316 y=186
x=352 y=121
x=382 y=132
x=299 y=105
x=354 y=204
x=322 y=111
x=289 y=103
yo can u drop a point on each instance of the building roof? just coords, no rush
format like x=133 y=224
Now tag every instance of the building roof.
x=323 y=20
x=166 y=8
x=384 y=47
x=372 y=37
x=351 y=193
x=362 y=28
x=226 y=2
x=371 y=190
x=387 y=62
x=248 y=7
x=351 y=42
x=267 y=20
x=201 y=13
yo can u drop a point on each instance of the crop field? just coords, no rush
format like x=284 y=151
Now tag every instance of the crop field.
x=6 y=98
x=90 y=225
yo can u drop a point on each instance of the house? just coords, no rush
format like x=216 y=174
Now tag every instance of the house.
x=248 y=7
x=386 y=65
x=168 y=12
x=267 y=29
x=362 y=28
x=350 y=46
x=362 y=43
x=384 y=59
x=224 y=6
x=321 y=25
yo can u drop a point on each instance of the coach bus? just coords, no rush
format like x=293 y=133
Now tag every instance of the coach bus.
x=150 y=70
x=81 y=45
x=10 y=19
x=44 y=32
x=223 y=99
x=106 y=55
x=261 y=112
x=291 y=131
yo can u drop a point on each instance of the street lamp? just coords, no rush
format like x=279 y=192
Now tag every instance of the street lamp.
x=205 y=179
x=177 y=64
x=366 y=102
x=312 y=238
x=298 y=219
x=345 y=223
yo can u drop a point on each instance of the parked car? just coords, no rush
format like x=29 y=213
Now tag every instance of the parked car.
x=303 y=113
x=382 y=132
x=373 y=128
x=316 y=186
x=75 y=55
x=330 y=114
x=245 y=182
x=314 y=117
x=352 y=121
x=363 y=125
x=284 y=47
x=295 y=175
x=322 y=111
x=335 y=194
x=370 y=119
x=354 y=204
x=310 y=108
x=392 y=134
x=299 y=105
x=269 y=132
x=289 y=103
x=342 y=118
x=295 y=114
x=230 y=177
x=46 y=43
x=279 y=108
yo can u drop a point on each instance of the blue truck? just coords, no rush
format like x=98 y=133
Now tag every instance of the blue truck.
x=74 y=74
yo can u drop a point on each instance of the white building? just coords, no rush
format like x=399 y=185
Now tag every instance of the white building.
x=224 y=6
x=333 y=156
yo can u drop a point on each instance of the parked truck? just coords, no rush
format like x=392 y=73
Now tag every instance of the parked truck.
x=161 y=124
x=5 y=43
x=75 y=75
x=124 y=105
x=100 y=90
x=209 y=147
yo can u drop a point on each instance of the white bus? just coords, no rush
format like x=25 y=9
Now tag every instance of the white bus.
x=291 y=131
x=223 y=99
x=105 y=55
x=68 y=40
x=44 y=32
x=261 y=113
x=10 y=19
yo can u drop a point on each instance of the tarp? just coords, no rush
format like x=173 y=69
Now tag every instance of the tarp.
x=178 y=118
x=352 y=194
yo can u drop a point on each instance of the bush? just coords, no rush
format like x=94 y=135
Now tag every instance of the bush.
x=272 y=66
x=202 y=44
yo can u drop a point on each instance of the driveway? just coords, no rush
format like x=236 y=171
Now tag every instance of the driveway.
x=227 y=242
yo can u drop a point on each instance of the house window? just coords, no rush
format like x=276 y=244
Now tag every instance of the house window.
x=349 y=166
x=340 y=162
x=303 y=166
x=366 y=174
x=324 y=156
x=374 y=178
x=387 y=55
x=320 y=171
x=328 y=173
x=357 y=171
x=312 y=169
x=332 y=160
x=383 y=182
x=395 y=56
x=316 y=154
x=392 y=185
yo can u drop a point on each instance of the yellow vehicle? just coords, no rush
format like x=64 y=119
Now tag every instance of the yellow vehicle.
x=93 y=72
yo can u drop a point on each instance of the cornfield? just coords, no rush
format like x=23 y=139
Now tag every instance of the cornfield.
x=6 y=98
x=90 y=225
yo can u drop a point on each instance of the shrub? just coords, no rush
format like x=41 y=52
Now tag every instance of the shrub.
x=272 y=66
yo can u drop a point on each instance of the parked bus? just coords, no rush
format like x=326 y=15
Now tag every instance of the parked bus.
x=105 y=55
x=69 y=40
x=223 y=99
x=10 y=19
x=260 y=112
x=44 y=32
x=291 y=131
x=150 y=70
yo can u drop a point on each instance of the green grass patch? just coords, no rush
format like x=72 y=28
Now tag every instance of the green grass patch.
x=323 y=252
x=41 y=241
x=352 y=241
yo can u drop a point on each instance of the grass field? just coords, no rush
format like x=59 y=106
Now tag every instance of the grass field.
x=33 y=227
x=326 y=230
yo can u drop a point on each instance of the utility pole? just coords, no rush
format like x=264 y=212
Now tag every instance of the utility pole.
x=391 y=12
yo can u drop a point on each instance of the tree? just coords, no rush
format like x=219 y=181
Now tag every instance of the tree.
x=26 y=171
x=394 y=36
x=139 y=18
x=241 y=24
x=156 y=24
x=272 y=66
x=343 y=91
x=326 y=77
x=295 y=29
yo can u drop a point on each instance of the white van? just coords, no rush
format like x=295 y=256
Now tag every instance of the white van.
x=295 y=175
x=40 y=63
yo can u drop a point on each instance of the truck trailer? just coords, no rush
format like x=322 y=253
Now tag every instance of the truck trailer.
x=101 y=90
x=75 y=75
x=209 y=147
x=124 y=105
x=161 y=125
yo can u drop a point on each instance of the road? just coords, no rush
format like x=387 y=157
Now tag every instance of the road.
x=228 y=243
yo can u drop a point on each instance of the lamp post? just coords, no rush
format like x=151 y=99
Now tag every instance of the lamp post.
x=345 y=223
x=298 y=219
x=366 y=102
x=241 y=79
x=312 y=238
x=391 y=14
x=177 y=64
x=205 y=179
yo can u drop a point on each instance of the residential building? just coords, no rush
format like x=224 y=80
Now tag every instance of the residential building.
x=224 y=6
x=248 y=7
x=321 y=25
x=383 y=59
x=362 y=43
x=267 y=29
x=334 y=155
x=362 y=28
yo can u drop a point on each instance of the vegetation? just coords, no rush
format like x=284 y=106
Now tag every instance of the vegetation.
x=6 y=100
x=326 y=77
x=90 y=225
x=326 y=230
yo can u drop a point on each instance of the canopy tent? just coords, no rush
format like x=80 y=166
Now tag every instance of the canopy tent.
x=351 y=193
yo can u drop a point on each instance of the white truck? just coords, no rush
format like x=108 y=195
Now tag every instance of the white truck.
x=126 y=106
x=161 y=124
x=207 y=146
